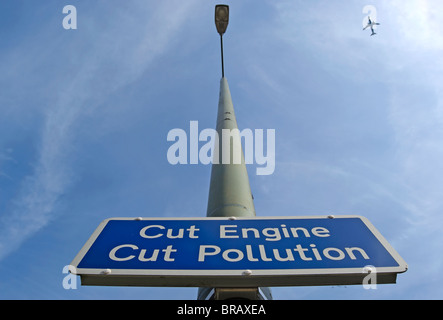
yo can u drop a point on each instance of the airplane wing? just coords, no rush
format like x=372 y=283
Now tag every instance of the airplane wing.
x=366 y=27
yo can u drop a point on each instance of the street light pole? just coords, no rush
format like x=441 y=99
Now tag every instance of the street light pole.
x=229 y=190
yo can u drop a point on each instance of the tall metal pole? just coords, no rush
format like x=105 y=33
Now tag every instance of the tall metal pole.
x=229 y=190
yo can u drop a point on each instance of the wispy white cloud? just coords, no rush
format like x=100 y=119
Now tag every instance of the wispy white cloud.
x=102 y=61
x=403 y=61
x=416 y=104
x=417 y=22
x=402 y=66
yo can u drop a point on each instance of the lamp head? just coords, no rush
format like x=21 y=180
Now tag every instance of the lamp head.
x=221 y=18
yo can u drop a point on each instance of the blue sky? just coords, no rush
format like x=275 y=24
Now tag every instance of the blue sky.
x=85 y=115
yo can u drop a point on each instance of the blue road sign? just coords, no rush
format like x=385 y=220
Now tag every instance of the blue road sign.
x=239 y=252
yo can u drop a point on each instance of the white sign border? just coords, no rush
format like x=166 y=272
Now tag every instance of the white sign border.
x=211 y=275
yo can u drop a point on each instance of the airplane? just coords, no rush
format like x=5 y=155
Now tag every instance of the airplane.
x=371 y=24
